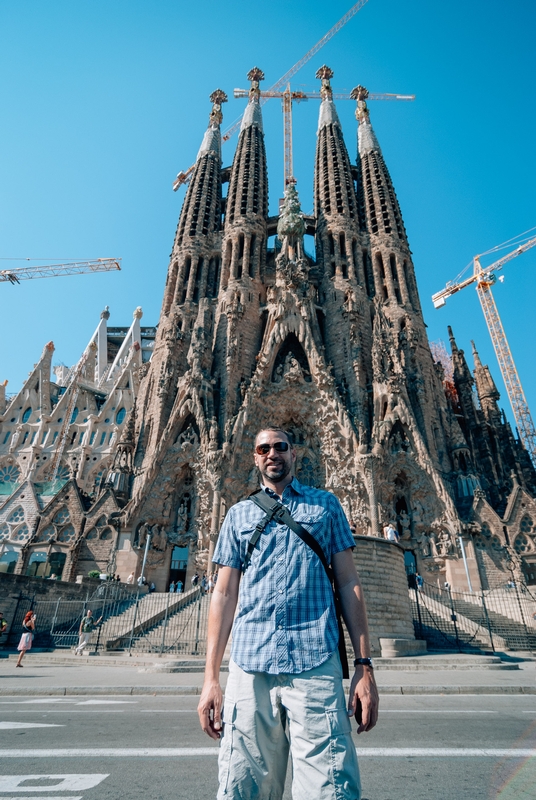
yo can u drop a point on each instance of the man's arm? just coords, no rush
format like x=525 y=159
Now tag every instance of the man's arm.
x=363 y=698
x=220 y=622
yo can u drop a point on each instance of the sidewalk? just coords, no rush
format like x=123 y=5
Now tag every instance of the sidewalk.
x=42 y=675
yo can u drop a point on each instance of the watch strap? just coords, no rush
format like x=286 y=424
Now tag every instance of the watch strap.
x=363 y=662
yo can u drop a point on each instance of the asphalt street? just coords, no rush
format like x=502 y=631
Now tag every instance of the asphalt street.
x=434 y=747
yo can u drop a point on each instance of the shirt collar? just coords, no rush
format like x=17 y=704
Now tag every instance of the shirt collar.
x=295 y=485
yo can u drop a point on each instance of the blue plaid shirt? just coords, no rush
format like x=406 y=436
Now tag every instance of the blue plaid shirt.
x=286 y=620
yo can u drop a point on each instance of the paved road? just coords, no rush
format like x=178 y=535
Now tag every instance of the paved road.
x=151 y=748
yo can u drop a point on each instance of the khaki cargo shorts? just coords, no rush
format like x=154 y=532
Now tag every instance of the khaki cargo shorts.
x=266 y=716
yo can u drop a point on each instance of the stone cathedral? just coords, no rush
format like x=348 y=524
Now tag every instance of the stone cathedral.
x=332 y=347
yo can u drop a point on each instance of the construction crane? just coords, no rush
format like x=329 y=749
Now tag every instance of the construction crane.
x=57 y=270
x=184 y=177
x=484 y=278
x=288 y=97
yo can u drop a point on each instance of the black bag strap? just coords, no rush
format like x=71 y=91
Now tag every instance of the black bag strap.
x=276 y=510
x=272 y=511
x=268 y=503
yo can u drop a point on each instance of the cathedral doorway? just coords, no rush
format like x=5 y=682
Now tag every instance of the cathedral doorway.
x=179 y=563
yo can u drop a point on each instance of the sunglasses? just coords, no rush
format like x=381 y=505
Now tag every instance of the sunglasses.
x=264 y=449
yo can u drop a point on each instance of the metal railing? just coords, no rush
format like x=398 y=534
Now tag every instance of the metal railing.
x=502 y=618
x=131 y=621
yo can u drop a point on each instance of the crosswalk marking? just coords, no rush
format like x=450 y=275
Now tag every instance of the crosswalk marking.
x=70 y=782
x=184 y=752
x=11 y=726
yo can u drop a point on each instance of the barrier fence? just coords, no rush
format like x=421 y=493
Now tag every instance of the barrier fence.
x=131 y=621
x=503 y=618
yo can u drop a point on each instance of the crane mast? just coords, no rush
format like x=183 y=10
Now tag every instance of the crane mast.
x=484 y=279
x=520 y=407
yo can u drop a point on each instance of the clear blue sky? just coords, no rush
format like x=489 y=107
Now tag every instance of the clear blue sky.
x=103 y=103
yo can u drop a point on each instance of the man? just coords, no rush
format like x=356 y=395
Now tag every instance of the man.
x=285 y=678
x=87 y=626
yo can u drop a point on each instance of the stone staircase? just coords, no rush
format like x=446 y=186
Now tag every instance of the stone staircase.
x=510 y=628
x=115 y=632
x=184 y=632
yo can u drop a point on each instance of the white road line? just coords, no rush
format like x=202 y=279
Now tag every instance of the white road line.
x=106 y=702
x=11 y=726
x=436 y=711
x=71 y=711
x=42 y=797
x=168 y=711
x=184 y=752
x=62 y=783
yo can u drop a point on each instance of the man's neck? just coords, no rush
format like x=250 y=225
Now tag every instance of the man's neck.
x=279 y=487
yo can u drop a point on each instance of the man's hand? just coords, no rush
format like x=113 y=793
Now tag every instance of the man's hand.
x=209 y=709
x=363 y=700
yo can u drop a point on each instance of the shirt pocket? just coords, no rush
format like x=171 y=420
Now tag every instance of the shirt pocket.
x=317 y=526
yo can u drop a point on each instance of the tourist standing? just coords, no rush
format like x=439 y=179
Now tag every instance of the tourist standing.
x=391 y=533
x=130 y=579
x=172 y=587
x=25 y=644
x=285 y=689
x=87 y=626
x=179 y=587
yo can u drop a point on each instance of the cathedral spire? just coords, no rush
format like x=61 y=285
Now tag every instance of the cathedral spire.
x=487 y=391
x=253 y=114
x=193 y=272
x=328 y=113
x=212 y=139
x=335 y=199
x=247 y=198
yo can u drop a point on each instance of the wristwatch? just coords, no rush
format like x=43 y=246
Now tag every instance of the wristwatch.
x=363 y=662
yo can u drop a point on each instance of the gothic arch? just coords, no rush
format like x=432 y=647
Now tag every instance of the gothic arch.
x=290 y=348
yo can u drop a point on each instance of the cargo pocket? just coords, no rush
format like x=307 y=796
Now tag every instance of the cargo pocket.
x=344 y=768
x=226 y=746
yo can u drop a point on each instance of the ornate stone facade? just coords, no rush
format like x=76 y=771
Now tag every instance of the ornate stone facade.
x=333 y=348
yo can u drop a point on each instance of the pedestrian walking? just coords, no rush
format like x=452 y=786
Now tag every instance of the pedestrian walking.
x=284 y=690
x=419 y=581
x=87 y=626
x=152 y=587
x=172 y=587
x=25 y=644
x=195 y=580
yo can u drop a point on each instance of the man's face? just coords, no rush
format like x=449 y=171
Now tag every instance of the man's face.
x=89 y=613
x=274 y=466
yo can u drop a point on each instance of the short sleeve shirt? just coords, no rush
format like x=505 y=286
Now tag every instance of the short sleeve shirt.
x=286 y=620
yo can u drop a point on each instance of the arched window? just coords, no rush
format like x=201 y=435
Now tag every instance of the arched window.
x=17 y=515
x=74 y=415
x=27 y=414
x=92 y=534
x=120 y=416
x=67 y=534
x=62 y=516
x=106 y=534
x=22 y=533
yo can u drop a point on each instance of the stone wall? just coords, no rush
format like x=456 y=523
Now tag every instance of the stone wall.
x=380 y=565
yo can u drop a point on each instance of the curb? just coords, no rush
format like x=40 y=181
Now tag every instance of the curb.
x=32 y=691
